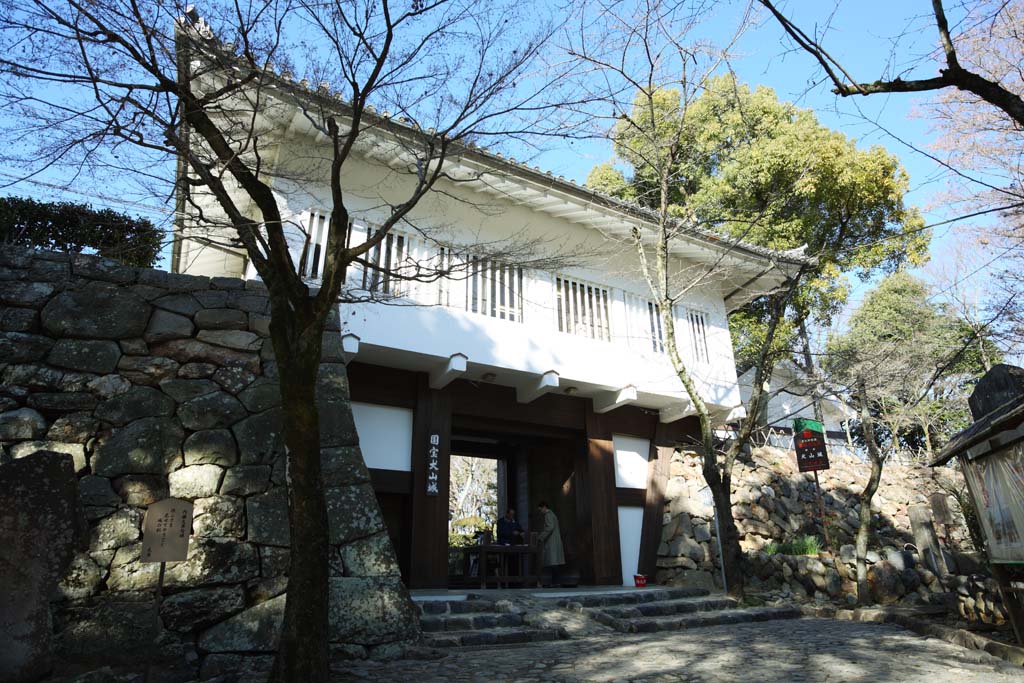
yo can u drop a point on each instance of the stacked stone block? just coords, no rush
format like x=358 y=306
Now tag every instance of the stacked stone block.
x=160 y=385
x=773 y=502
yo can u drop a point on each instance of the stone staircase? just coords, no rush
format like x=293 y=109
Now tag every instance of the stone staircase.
x=478 y=622
x=671 y=610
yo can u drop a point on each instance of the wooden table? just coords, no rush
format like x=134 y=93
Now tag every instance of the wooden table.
x=519 y=555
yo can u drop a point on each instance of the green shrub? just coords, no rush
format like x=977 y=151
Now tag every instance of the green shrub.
x=801 y=545
x=461 y=540
x=69 y=227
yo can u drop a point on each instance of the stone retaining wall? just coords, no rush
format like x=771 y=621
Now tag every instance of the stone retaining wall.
x=896 y=577
x=157 y=385
x=773 y=502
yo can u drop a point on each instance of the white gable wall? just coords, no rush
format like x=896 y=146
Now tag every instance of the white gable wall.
x=420 y=337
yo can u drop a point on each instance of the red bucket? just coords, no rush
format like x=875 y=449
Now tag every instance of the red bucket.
x=640 y=580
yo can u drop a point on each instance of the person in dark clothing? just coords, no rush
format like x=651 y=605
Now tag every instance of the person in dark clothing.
x=509 y=530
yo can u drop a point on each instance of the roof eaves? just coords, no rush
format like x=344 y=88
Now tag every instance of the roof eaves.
x=1007 y=416
x=301 y=90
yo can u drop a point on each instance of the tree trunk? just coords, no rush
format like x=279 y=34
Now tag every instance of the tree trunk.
x=864 y=528
x=729 y=537
x=805 y=340
x=303 y=653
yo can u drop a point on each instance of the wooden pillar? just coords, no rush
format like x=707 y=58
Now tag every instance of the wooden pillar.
x=658 y=464
x=522 y=502
x=432 y=422
x=1011 y=599
x=604 y=514
x=584 y=523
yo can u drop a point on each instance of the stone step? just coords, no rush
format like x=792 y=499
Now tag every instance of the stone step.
x=454 y=606
x=494 y=636
x=631 y=597
x=702 y=619
x=470 y=621
x=664 y=608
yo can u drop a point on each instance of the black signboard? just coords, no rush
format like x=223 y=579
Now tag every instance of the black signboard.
x=809 y=442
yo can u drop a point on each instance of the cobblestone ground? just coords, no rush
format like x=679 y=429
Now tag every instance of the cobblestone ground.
x=800 y=650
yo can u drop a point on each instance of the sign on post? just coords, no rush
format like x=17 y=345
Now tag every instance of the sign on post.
x=809 y=442
x=811 y=456
x=165 y=531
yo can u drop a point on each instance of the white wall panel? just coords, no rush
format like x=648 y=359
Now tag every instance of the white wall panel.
x=631 y=524
x=385 y=436
x=631 y=456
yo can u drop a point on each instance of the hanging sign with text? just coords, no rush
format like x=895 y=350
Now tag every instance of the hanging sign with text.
x=432 y=464
x=809 y=442
x=165 y=531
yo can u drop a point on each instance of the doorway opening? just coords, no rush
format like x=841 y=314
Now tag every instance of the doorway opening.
x=472 y=496
x=491 y=473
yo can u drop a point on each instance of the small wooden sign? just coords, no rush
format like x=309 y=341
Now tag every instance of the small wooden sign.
x=165 y=531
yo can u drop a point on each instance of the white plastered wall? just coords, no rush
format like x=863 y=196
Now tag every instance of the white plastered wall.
x=385 y=436
x=457 y=214
x=631 y=456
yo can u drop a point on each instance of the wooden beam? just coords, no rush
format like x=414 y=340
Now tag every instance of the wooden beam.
x=382 y=385
x=630 y=497
x=613 y=399
x=450 y=370
x=498 y=403
x=677 y=411
x=545 y=383
x=349 y=346
x=391 y=481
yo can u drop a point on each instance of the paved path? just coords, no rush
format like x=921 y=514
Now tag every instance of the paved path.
x=812 y=650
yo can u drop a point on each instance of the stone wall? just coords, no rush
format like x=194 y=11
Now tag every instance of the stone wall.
x=159 y=385
x=773 y=502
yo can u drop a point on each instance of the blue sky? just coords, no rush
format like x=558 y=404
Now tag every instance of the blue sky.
x=765 y=58
x=861 y=37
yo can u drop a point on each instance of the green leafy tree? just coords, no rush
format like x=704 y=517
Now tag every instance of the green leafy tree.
x=767 y=172
x=975 y=86
x=70 y=227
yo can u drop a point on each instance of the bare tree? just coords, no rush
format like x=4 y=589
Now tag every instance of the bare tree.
x=653 y=68
x=952 y=73
x=900 y=346
x=114 y=86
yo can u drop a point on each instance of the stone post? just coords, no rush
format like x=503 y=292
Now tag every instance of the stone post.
x=40 y=527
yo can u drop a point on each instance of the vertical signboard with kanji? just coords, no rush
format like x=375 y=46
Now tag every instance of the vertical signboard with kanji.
x=809 y=442
x=432 y=464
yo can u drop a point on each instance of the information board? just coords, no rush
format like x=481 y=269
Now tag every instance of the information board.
x=165 y=531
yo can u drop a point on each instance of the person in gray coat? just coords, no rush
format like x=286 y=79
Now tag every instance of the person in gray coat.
x=550 y=537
